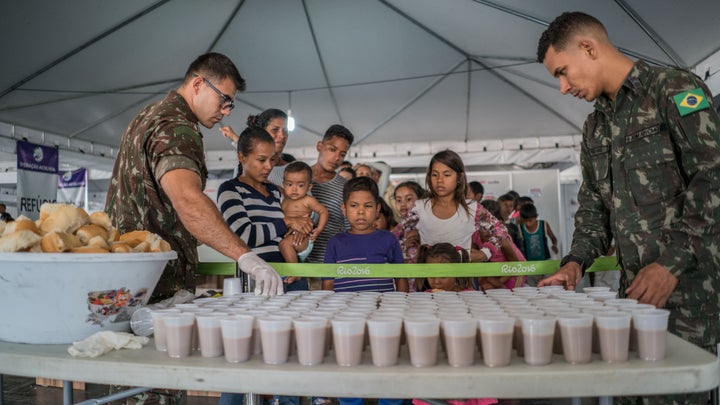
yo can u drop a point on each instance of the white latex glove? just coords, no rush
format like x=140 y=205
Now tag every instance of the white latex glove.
x=106 y=341
x=267 y=281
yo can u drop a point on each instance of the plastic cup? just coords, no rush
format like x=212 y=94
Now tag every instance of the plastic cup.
x=538 y=335
x=275 y=335
x=348 y=338
x=209 y=334
x=460 y=336
x=178 y=333
x=141 y=322
x=618 y=302
x=651 y=326
x=159 y=327
x=385 y=333
x=588 y=290
x=576 y=334
x=237 y=334
x=496 y=336
x=602 y=296
x=614 y=334
x=422 y=336
x=310 y=334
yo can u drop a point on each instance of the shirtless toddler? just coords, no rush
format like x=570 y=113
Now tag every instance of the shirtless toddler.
x=297 y=182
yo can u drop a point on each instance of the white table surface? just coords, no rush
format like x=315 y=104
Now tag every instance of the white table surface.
x=686 y=368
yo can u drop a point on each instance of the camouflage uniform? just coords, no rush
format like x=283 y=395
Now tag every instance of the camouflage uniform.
x=163 y=137
x=652 y=181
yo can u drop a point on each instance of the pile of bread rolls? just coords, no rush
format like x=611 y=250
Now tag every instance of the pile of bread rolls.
x=67 y=228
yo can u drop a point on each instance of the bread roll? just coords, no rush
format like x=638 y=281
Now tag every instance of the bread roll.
x=142 y=247
x=160 y=245
x=120 y=247
x=134 y=238
x=54 y=242
x=102 y=219
x=3 y=225
x=65 y=218
x=98 y=241
x=22 y=223
x=113 y=235
x=87 y=232
x=47 y=209
x=89 y=249
x=19 y=241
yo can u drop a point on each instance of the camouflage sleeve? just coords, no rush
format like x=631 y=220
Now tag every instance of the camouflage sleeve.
x=176 y=147
x=592 y=234
x=696 y=137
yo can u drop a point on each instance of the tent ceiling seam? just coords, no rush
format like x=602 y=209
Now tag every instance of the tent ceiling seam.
x=322 y=62
x=82 y=47
x=409 y=103
x=469 y=97
x=225 y=26
x=479 y=62
x=544 y=23
x=652 y=34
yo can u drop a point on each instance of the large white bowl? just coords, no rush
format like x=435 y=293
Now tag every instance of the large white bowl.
x=54 y=298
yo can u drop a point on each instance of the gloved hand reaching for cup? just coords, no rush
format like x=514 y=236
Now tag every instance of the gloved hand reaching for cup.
x=267 y=281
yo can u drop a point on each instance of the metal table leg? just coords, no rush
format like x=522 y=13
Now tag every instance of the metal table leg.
x=67 y=392
x=116 y=396
x=252 y=399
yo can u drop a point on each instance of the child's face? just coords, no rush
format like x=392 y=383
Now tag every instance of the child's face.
x=361 y=210
x=331 y=153
x=405 y=199
x=296 y=185
x=530 y=222
x=381 y=222
x=443 y=179
x=441 y=283
x=363 y=171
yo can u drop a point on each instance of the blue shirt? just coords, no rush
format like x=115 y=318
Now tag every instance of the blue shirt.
x=378 y=247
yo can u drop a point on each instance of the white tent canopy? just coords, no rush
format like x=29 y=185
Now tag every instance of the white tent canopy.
x=408 y=77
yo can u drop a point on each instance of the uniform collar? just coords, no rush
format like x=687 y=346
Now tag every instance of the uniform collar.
x=635 y=81
x=174 y=98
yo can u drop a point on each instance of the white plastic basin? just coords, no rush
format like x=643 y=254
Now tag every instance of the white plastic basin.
x=58 y=298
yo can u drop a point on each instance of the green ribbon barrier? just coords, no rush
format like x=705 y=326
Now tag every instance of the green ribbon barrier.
x=485 y=269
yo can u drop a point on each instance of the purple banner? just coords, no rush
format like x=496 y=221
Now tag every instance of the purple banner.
x=75 y=178
x=37 y=158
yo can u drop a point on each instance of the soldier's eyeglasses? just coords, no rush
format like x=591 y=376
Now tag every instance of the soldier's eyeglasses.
x=226 y=101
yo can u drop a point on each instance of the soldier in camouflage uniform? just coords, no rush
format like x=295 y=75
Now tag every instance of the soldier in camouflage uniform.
x=650 y=161
x=160 y=172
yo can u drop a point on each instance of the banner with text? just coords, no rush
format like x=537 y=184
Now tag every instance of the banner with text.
x=72 y=188
x=37 y=181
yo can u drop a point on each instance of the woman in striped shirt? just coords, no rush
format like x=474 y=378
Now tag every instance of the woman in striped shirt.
x=251 y=205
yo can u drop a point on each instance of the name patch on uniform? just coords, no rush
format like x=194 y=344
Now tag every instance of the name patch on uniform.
x=690 y=101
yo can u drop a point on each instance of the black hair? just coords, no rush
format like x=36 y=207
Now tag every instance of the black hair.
x=562 y=30
x=452 y=160
x=248 y=139
x=349 y=170
x=452 y=254
x=493 y=207
x=414 y=186
x=288 y=157
x=299 y=166
x=506 y=197
x=528 y=211
x=339 y=131
x=263 y=119
x=217 y=67
x=525 y=200
x=6 y=217
x=387 y=212
x=360 y=184
x=476 y=187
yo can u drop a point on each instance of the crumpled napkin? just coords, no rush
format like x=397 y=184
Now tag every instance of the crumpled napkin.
x=106 y=341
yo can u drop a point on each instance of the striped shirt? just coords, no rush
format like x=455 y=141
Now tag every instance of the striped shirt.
x=378 y=247
x=330 y=195
x=256 y=219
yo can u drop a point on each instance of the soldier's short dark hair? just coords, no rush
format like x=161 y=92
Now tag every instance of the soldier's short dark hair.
x=263 y=119
x=299 y=166
x=215 y=67
x=360 y=184
x=339 y=131
x=562 y=30
x=528 y=211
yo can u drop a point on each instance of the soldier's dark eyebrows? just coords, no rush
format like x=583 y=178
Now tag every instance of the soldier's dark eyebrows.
x=558 y=71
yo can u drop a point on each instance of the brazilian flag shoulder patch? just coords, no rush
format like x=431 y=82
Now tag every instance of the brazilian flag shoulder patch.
x=690 y=101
